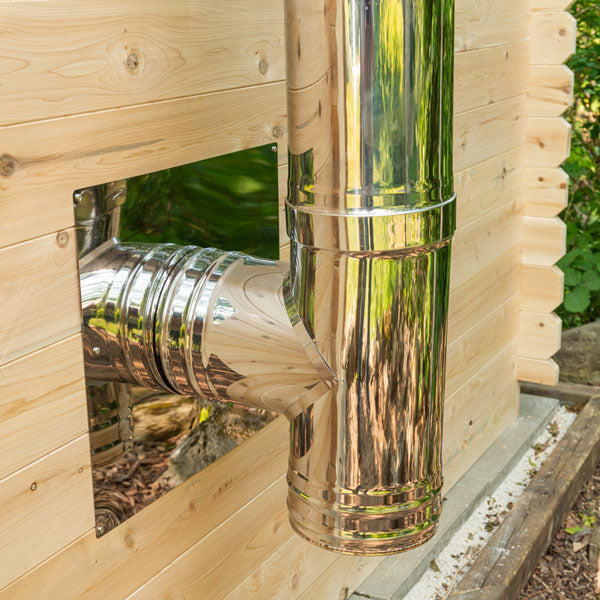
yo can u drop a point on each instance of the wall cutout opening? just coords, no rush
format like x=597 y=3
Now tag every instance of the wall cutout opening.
x=145 y=443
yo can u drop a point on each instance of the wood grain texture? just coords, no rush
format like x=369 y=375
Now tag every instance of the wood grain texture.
x=544 y=241
x=548 y=142
x=541 y=288
x=500 y=280
x=485 y=132
x=54 y=158
x=110 y=53
x=546 y=191
x=471 y=422
x=486 y=186
x=489 y=75
x=478 y=346
x=484 y=240
x=128 y=556
x=538 y=371
x=549 y=5
x=485 y=23
x=550 y=90
x=42 y=403
x=553 y=37
x=539 y=335
x=39 y=294
x=44 y=507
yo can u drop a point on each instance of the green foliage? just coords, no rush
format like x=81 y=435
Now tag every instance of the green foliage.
x=227 y=202
x=581 y=264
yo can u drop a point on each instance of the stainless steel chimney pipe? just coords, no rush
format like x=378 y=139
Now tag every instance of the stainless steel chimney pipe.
x=350 y=343
x=370 y=215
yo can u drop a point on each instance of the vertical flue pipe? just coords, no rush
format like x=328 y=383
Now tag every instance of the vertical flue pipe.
x=370 y=216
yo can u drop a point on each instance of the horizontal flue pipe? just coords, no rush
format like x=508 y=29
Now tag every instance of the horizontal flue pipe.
x=348 y=340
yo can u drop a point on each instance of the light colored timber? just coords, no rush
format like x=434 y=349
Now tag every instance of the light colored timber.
x=540 y=335
x=472 y=425
x=128 y=556
x=54 y=158
x=39 y=294
x=44 y=507
x=112 y=53
x=469 y=353
x=489 y=75
x=541 y=288
x=538 y=371
x=546 y=191
x=550 y=90
x=548 y=142
x=485 y=186
x=119 y=562
x=544 y=241
x=485 y=23
x=484 y=240
x=552 y=37
x=500 y=280
x=42 y=403
x=482 y=133
x=547 y=5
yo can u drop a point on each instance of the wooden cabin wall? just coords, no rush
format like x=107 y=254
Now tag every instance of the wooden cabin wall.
x=97 y=91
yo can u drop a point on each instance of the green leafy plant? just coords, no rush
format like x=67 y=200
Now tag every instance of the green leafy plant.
x=581 y=264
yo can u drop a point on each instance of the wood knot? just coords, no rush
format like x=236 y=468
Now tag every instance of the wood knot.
x=540 y=179
x=33 y=486
x=277 y=131
x=8 y=165
x=263 y=66
x=133 y=62
x=504 y=172
x=562 y=32
x=62 y=239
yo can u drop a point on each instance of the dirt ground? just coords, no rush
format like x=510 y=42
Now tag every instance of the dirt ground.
x=565 y=571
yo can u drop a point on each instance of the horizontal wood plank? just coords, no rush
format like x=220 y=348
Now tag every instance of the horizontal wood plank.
x=42 y=404
x=468 y=306
x=485 y=132
x=39 y=293
x=128 y=556
x=490 y=75
x=488 y=185
x=548 y=142
x=550 y=5
x=468 y=421
x=54 y=158
x=553 y=36
x=538 y=371
x=550 y=90
x=44 y=507
x=484 y=240
x=540 y=335
x=541 y=288
x=546 y=191
x=485 y=23
x=544 y=241
x=478 y=346
x=109 y=54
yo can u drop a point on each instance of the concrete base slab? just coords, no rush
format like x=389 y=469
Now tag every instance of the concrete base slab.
x=397 y=574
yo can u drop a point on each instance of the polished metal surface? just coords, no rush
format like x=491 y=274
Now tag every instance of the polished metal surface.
x=97 y=214
x=349 y=343
x=198 y=322
x=370 y=216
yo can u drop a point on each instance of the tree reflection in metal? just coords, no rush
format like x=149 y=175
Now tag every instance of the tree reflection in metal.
x=357 y=362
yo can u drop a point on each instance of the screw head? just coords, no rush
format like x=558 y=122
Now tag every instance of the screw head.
x=62 y=239
x=96 y=351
